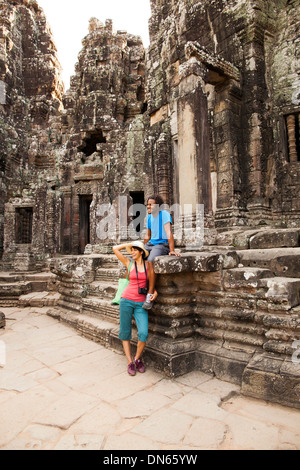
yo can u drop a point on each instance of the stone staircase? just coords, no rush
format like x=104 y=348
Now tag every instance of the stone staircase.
x=23 y=289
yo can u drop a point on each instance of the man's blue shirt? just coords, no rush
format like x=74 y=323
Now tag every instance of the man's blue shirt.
x=157 y=227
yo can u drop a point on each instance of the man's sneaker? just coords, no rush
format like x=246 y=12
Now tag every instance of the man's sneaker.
x=139 y=365
x=147 y=305
x=131 y=369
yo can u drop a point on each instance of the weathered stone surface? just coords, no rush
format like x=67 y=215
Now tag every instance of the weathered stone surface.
x=2 y=320
x=244 y=279
x=275 y=239
x=273 y=379
x=280 y=261
x=202 y=262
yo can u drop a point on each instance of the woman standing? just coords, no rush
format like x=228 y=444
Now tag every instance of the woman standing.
x=132 y=300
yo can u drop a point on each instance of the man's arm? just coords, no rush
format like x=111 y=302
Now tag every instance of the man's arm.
x=168 y=229
x=147 y=236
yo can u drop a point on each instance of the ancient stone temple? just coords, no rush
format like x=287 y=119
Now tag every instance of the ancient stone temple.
x=208 y=117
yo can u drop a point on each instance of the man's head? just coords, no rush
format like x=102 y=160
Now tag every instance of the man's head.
x=153 y=204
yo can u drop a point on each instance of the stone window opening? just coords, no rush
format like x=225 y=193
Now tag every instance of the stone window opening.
x=292 y=126
x=89 y=145
x=23 y=225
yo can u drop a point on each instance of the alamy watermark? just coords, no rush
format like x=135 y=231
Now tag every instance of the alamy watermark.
x=296 y=354
x=2 y=92
x=2 y=354
x=130 y=222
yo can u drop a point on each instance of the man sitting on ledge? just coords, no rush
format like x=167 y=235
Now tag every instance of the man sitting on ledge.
x=159 y=240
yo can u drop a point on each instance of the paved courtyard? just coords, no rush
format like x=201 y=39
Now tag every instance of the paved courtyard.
x=59 y=390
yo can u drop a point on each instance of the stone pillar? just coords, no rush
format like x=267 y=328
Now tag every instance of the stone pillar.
x=291 y=129
x=226 y=138
x=193 y=137
x=163 y=168
x=66 y=228
x=257 y=133
x=75 y=223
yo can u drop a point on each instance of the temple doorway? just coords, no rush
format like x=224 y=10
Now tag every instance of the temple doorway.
x=139 y=211
x=84 y=221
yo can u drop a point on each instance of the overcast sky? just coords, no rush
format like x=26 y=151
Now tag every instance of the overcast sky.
x=69 y=20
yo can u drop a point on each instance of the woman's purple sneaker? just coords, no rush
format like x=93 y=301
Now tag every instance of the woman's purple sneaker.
x=131 y=369
x=139 y=365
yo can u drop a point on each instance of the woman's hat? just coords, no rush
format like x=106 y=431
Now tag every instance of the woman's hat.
x=139 y=245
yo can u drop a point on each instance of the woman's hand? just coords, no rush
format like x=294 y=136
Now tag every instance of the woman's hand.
x=154 y=295
x=117 y=251
x=120 y=247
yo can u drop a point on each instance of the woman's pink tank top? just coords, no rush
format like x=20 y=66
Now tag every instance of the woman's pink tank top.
x=132 y=290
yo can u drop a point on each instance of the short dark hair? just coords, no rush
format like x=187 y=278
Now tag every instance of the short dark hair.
x=158 y=199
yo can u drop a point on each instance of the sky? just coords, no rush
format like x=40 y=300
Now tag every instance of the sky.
x=69 y=21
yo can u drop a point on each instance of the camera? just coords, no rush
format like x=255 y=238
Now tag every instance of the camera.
x=143 y=290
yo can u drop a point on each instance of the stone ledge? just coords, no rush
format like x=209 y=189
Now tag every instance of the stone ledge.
x=259 y=238
x=275 y=239
x=196 y=262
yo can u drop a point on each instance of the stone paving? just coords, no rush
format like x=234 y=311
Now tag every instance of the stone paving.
x=59 y=390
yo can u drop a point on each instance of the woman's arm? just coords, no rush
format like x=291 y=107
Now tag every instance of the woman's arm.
x=117 y=251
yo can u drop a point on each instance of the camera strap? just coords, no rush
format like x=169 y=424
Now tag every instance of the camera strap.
x=137 y=274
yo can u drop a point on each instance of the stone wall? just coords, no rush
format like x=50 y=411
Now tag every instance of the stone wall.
x=242 y=58
x=30 y=72
x=64 y=155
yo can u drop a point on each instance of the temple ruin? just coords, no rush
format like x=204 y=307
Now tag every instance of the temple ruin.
x=208 y=116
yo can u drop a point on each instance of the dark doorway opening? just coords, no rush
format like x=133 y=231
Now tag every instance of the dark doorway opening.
x=138 y=211
x=84 y=221
x=24 y=225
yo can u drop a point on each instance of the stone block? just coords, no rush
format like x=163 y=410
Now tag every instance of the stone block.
x=196 y=262
x=14 y=289
x=272 y=378
x=282 y=290
x=2 y=320
x=275 y=239
x=226 y=365
x=245 y=279
x=281 y=261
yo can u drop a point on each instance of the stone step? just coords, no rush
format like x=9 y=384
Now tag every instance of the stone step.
x=91 y=327
x=284 y=262
x=260 y=238
x=39 y=299
x=245 y=279
x=43 y=277
x=283 y=291
x=10 y=277
x=109 y=261
x=107 y=274
x=103 y=289
x=100 y=308
x=10 y=293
